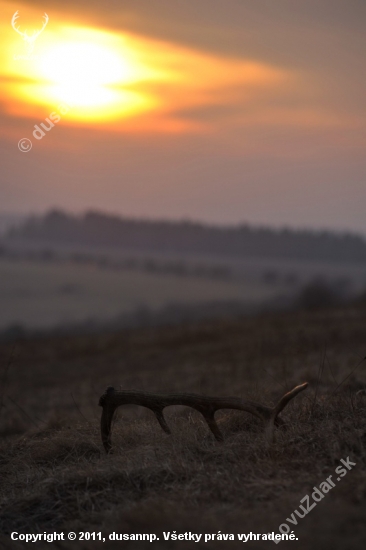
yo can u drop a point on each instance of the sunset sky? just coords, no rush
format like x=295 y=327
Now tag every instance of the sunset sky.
x=222 y=111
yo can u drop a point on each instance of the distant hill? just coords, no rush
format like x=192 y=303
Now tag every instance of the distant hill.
x=10 y=220
x=242 y=241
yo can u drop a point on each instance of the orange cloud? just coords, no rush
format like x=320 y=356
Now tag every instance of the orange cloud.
x=120 y=80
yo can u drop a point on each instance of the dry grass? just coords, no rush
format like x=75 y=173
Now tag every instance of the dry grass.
x=55 y=476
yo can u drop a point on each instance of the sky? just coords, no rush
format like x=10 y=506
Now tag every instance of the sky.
x=222 y=111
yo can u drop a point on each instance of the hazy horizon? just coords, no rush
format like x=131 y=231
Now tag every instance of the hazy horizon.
x=19 y=216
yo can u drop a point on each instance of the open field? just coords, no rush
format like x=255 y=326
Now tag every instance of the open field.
x=45 y=288
x=245 y=268
x=42 y=294
x=55 y=475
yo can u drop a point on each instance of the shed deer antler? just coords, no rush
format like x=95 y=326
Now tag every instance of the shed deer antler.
x=29 y=39
x=207 y=406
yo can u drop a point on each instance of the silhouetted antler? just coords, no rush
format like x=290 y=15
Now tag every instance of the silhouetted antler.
x=207 y=406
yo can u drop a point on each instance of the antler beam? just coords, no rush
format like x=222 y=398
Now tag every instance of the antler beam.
x=207 y=406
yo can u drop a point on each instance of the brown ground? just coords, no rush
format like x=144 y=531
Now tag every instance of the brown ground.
x=55 y=476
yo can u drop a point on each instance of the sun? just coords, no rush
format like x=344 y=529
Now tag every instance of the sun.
x=82 y=73
x=96 y=73
x=93 y=75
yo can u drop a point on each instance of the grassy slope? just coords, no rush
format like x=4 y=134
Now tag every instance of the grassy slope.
x=55 y=475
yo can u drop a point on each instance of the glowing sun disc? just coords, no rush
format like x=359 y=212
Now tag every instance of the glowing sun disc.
x=81 y=72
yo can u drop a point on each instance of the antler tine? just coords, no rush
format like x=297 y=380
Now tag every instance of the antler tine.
x=14 y=19
x=288 y=396
x=279 y=407
x=207 y=406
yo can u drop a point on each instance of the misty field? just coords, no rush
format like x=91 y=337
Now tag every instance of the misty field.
x=55 y=475
x=40 y=294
